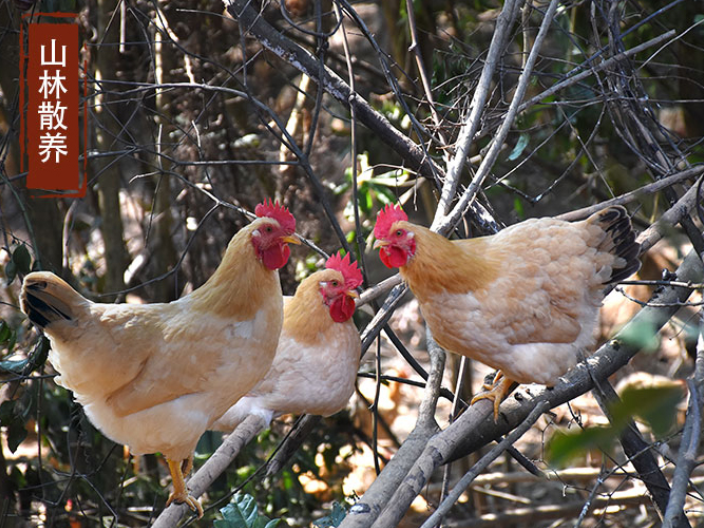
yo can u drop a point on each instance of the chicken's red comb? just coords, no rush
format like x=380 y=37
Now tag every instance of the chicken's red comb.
x=349 y=270
x=277 y=212
x=386 y=218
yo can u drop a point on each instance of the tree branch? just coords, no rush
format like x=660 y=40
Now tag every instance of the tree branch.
x=483 y=463
x=476 y=108
x=252 y=22
x=213 y=468
x=687 y=456
x=443 y=226
x=366 y=510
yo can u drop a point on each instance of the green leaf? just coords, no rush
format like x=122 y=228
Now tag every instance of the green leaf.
x=657 y=406
x=654 y=405
x=641 y=333
x=564 y=447
x=36 y=359
x=243 y=512
x=5 y=331
x=14 y=366
x=16 y=433
x=12 y=417
x=334 y=519
x=22 y=259
x=385 y=196
x=10 y=272
x=518 y=207
x=521 y=145
x=12 y=341
x=7 y=412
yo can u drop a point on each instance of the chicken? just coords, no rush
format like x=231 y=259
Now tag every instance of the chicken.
x=316 y=363
x=524 y=301
x=155 y=376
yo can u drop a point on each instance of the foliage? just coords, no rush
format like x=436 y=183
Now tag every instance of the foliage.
x=243 y=512
x=656 y=406
x=334 y=518
x=20 y=262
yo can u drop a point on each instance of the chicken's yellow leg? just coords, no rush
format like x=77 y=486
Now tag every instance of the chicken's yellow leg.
x=180 y=492
x=187 y=466
x=496 y=392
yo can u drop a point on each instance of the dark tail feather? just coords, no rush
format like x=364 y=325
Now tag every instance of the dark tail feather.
x=621 y=240
x=40 y=299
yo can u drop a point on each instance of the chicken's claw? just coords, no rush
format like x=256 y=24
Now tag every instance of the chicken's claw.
x=180 y=492
x=496 y=392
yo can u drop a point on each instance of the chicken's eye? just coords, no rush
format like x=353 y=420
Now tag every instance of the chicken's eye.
x=399 y=232
x=268 y=229
x=335 y=283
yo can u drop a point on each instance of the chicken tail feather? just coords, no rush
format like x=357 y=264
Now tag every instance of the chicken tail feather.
x=46 y=298
x=620 y=241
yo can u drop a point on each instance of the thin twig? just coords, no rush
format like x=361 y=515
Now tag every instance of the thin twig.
x=574 y=79
x=471 y=124
x=483 y=463
x=445 y=224
x=417 y=52
x=651 y=188
x=687 y=456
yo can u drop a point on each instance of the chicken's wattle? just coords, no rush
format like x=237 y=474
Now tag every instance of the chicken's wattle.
x=393 y=257
x=275 y=257
x=342 y=308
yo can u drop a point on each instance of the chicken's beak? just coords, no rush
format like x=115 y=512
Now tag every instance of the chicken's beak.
x=352 y=293
x=292 y=239
x=380 y=243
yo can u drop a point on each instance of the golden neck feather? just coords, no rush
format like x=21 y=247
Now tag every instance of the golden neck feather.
x=241 y=282
x=442 y=265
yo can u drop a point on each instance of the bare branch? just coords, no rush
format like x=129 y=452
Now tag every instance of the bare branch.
x=483 y=463
x=253 y=23
x=213 y=468
x=366 y=510
x=651 y=188
x=571 y=80
x=687 y=456
x=497 y=141
x=471 y=124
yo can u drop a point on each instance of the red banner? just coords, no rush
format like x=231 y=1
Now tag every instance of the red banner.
x=51 y=121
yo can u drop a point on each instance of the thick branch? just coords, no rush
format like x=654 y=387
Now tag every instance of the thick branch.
x=213 y=468
x=366 y=510
x=483 y=463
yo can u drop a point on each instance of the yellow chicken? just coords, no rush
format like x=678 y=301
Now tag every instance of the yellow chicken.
x=155 y=376
x=316 y=363
x=525 y=300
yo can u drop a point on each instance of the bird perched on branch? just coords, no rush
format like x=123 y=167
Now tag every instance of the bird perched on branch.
x=316 y=363
x=155 y=376
x=524 y=301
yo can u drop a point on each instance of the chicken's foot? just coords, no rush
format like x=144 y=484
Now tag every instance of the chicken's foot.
x=496 y=392
x=180 y=492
